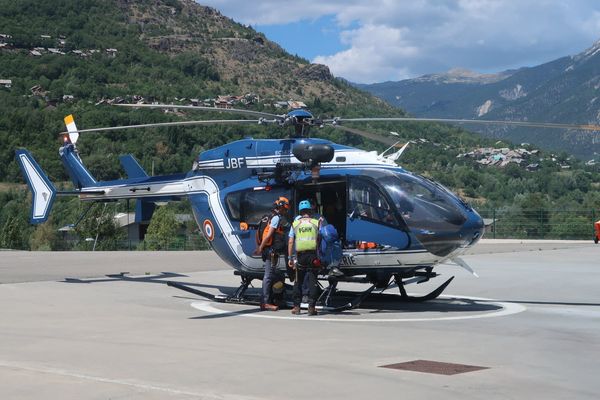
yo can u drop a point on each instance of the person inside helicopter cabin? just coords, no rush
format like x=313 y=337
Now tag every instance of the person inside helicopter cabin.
x=304 y=238
x=271 y=244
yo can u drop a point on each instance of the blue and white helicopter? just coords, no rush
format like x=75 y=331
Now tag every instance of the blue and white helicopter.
x=411 y=223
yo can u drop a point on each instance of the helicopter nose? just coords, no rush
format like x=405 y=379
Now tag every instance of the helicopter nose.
x=473 y=228
x=444 y=243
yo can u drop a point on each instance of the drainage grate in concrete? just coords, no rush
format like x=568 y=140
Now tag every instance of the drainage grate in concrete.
x=434 y=367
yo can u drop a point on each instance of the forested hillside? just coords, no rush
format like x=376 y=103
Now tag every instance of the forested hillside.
x=76 y=57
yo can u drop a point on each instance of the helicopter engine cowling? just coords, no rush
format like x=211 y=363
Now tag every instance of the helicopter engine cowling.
x=313 y=153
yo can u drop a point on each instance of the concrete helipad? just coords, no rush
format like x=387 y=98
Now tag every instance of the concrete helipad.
x=69 y=331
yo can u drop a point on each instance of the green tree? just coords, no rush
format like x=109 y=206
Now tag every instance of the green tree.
x=535 y=215
x=568 y=226
x=44 y=237
x=98 y=229
x=162 y=229
x=12 y=234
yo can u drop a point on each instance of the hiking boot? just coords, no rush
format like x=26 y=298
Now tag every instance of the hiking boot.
x=312 y=310
x=269 y=307
x=296 y=310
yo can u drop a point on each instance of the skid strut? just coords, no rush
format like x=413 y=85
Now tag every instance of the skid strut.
x=417 y=299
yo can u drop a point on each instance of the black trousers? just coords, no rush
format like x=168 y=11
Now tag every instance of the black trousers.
x=304 y=268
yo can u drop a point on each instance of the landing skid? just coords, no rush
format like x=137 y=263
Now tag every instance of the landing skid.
x=237 y=297
x=325 y=300
x=329 y=292
x=418 y=299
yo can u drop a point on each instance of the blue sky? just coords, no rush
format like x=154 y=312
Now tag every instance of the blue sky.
x=306 y=38
x=370 y=41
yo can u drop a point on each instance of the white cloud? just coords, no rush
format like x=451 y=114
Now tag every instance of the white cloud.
x=374 y=51
x=390 y=40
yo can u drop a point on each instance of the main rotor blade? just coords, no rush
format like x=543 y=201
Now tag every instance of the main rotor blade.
x=176 y=123
x=201 y=108
x=373 y=136
x=585 y=127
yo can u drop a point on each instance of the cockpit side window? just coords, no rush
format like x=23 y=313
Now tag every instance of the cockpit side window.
x=365 y=201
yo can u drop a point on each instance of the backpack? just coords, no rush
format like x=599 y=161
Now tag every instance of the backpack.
x=330 y=251
x=277 y=241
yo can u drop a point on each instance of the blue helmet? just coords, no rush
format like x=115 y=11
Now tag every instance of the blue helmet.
x=304 y=204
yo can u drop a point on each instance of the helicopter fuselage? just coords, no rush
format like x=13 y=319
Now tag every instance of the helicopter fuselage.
x=389 y=220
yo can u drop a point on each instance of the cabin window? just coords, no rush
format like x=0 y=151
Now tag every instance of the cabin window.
x=233 y=201
x=340 y=159
x=365 y=201
x=250 y=205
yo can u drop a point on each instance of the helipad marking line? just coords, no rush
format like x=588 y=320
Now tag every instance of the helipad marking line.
x=55 y=371
x=507 y=309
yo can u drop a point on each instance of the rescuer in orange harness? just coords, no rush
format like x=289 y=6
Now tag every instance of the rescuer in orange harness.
x=271 y=244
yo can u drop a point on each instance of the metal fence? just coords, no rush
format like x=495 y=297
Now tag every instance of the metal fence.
x=513 y=223
x=505 y=223
x=174 y=244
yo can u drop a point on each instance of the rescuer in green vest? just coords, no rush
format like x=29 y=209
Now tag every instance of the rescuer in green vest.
x=304 y=236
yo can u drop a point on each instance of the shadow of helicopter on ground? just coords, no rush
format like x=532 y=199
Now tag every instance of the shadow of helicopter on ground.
x=162 y=278
x=374 y=304
x=384 y=304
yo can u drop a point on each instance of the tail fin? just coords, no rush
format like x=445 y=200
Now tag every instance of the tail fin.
x=80 y=176
x=43 y=190
x=132 y=167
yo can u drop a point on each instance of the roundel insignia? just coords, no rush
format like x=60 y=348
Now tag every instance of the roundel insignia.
x=209 y=230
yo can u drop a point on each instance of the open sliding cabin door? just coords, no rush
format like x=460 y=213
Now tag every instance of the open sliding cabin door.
x=328 y=196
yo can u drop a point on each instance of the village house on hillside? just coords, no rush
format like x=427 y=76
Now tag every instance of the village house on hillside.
x=500 y=157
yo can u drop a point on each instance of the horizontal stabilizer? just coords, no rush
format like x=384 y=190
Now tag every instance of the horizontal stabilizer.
x=42 y=189
x=132 y=168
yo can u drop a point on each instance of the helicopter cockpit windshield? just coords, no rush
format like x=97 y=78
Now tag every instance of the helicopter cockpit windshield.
x=425 y=208
x=422 y=204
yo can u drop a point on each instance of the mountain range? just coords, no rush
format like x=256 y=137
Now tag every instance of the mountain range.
x=565 y=90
